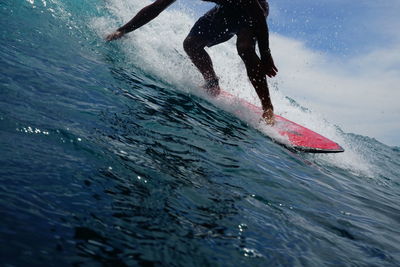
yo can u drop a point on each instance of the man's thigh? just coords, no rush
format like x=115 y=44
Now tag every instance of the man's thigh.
x=213 y=28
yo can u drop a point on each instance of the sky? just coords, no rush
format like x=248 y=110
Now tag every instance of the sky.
x=340 y=58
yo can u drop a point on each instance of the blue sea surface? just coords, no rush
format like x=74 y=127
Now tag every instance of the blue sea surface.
x=105 y=161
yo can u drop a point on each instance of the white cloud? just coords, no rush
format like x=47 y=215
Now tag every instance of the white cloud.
x=360 y=94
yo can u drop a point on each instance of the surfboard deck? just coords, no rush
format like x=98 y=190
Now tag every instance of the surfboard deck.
x=300 y=138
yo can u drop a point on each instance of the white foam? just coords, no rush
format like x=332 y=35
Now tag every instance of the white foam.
x=157 y=49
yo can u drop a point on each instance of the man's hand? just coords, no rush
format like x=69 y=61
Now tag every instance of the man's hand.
x=114 y=36
x=268 y=65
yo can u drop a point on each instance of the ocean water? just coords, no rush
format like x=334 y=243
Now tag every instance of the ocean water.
x=110 y=155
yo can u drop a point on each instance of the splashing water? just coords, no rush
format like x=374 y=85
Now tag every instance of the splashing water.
x=112 y=155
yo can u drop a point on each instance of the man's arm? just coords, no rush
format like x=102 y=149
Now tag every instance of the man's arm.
x=144 y=16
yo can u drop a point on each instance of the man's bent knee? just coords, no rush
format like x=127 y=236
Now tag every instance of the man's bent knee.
x=189 y=45
x=192 y=45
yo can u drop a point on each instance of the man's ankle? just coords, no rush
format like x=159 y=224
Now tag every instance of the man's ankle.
x=212 y=87
x=212 y=82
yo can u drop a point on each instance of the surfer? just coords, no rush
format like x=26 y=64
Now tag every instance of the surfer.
x=246 y=19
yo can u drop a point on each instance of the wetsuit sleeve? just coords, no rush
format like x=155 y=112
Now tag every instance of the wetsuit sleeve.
x=145 y=15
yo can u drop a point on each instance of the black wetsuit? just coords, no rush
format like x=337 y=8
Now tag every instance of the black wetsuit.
x=222 y=22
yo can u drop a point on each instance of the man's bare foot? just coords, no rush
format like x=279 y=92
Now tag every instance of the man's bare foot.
x=212 y=87
x=214 y=91
x=269 y=117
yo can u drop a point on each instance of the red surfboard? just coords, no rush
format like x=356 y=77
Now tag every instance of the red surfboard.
x=299 y=137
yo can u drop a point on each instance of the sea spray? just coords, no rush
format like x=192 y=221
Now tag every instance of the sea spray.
x=157 y=49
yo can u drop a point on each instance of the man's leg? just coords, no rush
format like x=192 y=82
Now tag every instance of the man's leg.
x=194 y=47
x=246 y=48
